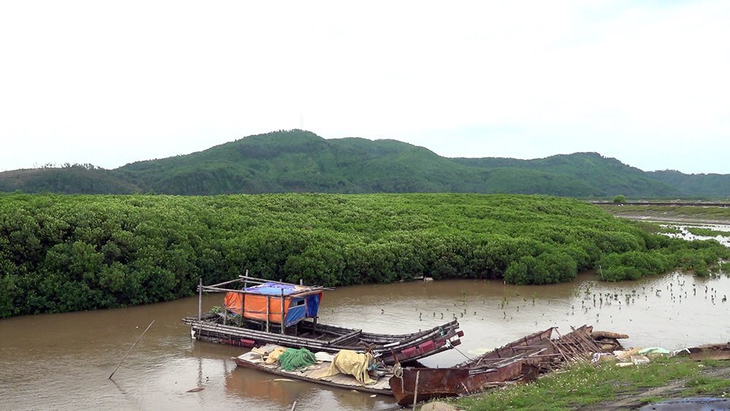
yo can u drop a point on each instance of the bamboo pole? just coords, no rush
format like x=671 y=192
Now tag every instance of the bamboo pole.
x=262 y=280
x=237 y=280
x=200 y=299
x=282 y=311
x=268 y=302
x=130 y=350
x=559 y=350
x=295 y=294
x=415 y=390
x=246 y=279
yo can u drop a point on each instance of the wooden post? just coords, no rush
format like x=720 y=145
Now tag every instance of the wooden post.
x=268 y=302
x=415 y=390
x=243 y=305
x=282 y=311
x=200 y=299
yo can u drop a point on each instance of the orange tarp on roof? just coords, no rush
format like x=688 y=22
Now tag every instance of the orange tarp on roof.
x=256 y=306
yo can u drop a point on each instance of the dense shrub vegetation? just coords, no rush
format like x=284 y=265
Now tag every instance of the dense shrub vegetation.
x=66 y=253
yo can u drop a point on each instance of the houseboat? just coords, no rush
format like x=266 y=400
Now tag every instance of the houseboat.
x=256 y=312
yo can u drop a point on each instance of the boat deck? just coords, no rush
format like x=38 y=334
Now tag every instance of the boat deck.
x=314 y=373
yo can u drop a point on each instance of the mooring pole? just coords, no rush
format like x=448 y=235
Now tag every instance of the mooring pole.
x=130 y=350
x=268 y=303
x=282 y=311
x=415 y=393
x=200 y=299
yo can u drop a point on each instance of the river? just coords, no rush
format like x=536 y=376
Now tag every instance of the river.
x=63 y=361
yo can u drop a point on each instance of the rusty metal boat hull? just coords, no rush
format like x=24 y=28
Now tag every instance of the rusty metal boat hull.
x=520 y=360
x=710 y=352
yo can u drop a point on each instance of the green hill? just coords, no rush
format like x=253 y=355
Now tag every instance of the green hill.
x=76 y=179
x=585 y=174
x=700 y=185
x=301 y=161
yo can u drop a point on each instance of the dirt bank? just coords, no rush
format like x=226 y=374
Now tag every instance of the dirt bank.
x=672 y=219
x=674 y=390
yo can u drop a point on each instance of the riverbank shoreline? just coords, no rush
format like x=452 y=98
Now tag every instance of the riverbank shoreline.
x=707 y=214
x=678 y=220
x=608 y=387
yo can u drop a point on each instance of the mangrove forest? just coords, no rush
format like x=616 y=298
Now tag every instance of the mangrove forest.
x=68 y=253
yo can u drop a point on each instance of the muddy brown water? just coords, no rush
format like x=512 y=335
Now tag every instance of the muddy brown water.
x=63 y=361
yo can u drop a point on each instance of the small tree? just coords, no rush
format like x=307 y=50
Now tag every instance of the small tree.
x=619 y=199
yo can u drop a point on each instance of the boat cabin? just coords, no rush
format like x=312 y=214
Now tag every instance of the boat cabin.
x=270 y=303
x=275 y=302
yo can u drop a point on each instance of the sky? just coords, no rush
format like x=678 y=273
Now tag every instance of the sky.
x=113 y=82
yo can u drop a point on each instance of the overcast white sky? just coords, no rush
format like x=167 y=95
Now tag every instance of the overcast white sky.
x=109 y=83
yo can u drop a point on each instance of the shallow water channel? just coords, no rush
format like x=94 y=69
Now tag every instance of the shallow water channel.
x=63 y=361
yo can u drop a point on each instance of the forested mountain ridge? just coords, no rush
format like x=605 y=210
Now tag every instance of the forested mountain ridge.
x=301 y=161
x=704 y=185
x=69 y=179
x=608 y=175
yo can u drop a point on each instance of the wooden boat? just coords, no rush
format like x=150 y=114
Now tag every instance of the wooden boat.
x=709 y=352
x=272 y=312
x=521 y=360
x=316 y=373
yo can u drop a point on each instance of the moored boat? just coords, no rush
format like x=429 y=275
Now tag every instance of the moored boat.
x=708 y=352
x=318 y=372
x=270 y=312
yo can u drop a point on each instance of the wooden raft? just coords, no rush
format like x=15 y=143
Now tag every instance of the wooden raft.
x=314 y=373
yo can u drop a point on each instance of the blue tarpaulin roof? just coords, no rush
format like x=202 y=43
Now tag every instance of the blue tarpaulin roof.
x=274 y=289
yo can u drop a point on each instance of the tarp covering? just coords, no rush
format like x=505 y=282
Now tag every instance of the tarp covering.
x=292 y=359
x=275 y=289
x=255 y=306
x=296 y=312
x=233 y=302
x=312 y=304
x=274 y=355
x=352 y=363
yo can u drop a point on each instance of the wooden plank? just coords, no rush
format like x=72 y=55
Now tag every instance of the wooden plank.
x=345 y=337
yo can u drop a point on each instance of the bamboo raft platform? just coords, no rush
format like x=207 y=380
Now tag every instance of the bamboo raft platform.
x=273 y=312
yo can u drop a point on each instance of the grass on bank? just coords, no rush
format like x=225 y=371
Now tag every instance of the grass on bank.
x=583 y=385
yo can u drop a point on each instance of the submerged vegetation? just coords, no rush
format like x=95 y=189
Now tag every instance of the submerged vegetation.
x=68 y=253
x=707 y=232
